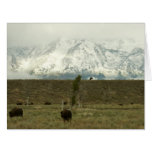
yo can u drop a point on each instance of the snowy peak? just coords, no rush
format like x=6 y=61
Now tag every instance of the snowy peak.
x=64 y=59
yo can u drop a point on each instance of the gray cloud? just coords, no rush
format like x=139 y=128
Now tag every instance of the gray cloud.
x=28 y=34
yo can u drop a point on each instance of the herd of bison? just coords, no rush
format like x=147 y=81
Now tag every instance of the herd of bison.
x=66 y=114
x=126 y=92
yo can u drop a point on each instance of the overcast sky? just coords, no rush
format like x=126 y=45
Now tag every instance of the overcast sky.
x=39 y=34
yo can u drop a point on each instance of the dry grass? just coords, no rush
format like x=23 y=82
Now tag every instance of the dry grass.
x=92 y=92
x=91 y=117
x=100 y=100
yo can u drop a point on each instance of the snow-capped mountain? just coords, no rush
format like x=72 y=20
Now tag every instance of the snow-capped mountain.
x=64 y=59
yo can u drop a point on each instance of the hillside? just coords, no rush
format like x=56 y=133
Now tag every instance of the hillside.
x=96 y=91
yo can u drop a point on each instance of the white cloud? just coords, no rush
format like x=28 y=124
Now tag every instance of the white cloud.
x=27 y=34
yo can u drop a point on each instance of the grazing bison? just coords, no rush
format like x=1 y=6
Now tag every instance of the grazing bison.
x=91 y=78
x=132 y=103
x=65 y=103
x=66 y=115
x=47 y=103
x=120 y=104
x=16 y=112
x=19 y=103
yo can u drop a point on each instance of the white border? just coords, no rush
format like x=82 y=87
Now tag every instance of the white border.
x=74 y=11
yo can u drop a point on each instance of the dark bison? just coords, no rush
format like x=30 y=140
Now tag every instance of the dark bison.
x=132 y=103
x=47 y=103
x=66 y=115
x=91 y=78
x=16 y=112
x=19 y=103
x=65 y=103
x=120 y=104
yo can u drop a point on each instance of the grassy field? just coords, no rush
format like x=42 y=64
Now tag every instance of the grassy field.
x=99 y=99
x=90 y=117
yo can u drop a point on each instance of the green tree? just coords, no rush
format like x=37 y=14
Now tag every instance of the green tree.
x=76 y=84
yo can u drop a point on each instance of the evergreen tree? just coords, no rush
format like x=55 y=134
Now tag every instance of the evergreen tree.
x=76 y=84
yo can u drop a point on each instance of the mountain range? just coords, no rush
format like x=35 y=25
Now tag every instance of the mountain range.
x=65 y=59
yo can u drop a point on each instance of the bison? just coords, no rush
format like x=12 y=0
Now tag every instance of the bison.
x=47 y=103
x=19 y=103
x=65 y=103
x=120 y=104
x=91 y=78
x=66 y=115
x=16 y=112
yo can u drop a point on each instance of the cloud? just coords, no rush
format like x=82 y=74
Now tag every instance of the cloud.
x=29 y=34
